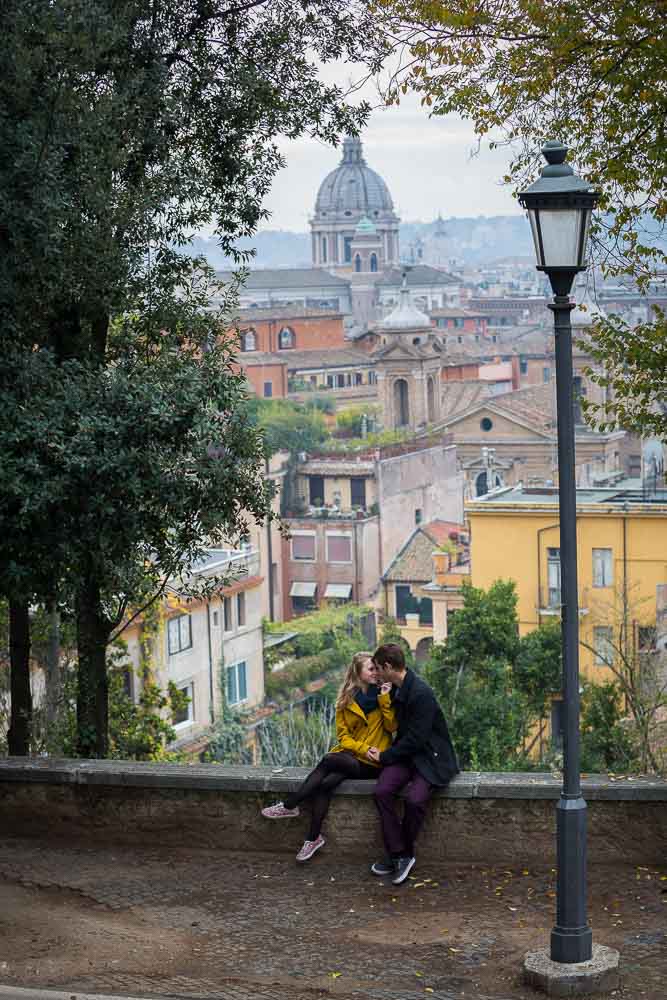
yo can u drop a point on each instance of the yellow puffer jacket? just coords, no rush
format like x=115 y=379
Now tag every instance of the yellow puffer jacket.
x=357 y=732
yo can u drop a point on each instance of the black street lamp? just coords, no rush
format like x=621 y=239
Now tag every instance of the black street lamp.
x=559 y=206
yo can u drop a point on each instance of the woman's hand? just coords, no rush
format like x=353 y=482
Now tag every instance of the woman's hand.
x=373 y=754
x=385 y=688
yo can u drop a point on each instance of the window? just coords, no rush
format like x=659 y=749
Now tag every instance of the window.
x=459 y=340
x=603 y=643
x=185 y=715
x=553 y=578
x=357 y=491
x=179 y=634
x=546 y=374
x=316 y=490
x=357 y=262
x=227 y=614
x=578 y=392
x=249 y=342
x=418 y=516
x=358 y=378
x=340 y=381
x=216 y=619
x=405 y=602
x=557 y=724
x=486 y=423
x=303 y=547
x=285 y=339
x=459 y=324
x=602 y=569
x=339 y=548
x=324 y=249
x=237 y=685
x=374 y=262
x=268 y=390
x=240 y=609
x=330 y=381
x=646 y=636
x=347 y=249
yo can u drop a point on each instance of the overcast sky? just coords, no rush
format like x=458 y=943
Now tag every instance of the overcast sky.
x=427 y=163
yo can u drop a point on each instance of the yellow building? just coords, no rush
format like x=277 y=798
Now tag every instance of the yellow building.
x=622 y=560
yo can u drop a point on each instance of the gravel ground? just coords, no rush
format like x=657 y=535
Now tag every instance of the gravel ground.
x=240 y=926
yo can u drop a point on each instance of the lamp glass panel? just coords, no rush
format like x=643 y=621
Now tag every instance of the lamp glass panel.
x=586 y=216
x=560 y=229
x=534 y=219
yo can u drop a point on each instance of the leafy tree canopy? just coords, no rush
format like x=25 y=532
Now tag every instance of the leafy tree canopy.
x=125 y=128
x=592 y=73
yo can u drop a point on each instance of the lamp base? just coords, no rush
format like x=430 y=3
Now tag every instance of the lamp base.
x=599 y=974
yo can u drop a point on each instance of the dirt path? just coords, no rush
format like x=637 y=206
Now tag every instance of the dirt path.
x=258 y=926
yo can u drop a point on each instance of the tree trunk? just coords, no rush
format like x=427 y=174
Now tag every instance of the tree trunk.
x=92 y=703
x=18 y=737
x=53 y=677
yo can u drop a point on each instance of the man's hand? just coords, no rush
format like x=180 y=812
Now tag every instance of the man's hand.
x=385 y=688
x=373 y=754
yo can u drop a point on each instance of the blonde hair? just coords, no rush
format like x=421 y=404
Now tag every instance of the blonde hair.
x=352 y=682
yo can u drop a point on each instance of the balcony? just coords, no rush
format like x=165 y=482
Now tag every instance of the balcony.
x=550 y=601
x=332 y=512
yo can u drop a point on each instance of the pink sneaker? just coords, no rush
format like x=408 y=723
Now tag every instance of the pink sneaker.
x=309 y=848
x=278 y=811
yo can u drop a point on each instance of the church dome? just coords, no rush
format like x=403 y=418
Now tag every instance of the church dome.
x=590 y=314
x=406 y=315
x=365 y=227
x=353 y=188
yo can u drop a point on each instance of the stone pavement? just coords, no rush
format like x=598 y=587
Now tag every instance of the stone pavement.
x=152 y=922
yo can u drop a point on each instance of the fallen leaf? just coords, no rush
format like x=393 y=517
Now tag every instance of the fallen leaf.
x=335 y=975
x=418 y=885
x=427 y=989
x=420 y=975
x=512 y=909
x=455 y=950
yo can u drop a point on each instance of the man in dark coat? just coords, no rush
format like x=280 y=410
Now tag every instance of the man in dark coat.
x=422 y=757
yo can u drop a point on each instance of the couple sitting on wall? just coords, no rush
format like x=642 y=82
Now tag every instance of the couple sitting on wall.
x=390 y=728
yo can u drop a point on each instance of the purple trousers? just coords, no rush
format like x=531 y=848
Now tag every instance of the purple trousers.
x=400 y=834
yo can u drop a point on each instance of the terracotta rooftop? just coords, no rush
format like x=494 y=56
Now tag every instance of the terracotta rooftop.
x=333 y=357
x=414 y=562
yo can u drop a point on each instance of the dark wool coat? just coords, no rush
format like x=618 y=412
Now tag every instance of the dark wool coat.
x=423 y=737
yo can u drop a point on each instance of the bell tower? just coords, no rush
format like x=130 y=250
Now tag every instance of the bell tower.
x=408 y=367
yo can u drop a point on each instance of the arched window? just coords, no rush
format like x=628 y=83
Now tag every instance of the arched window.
x=249 y=341
x=374 y=262
x=430 y=399
x=324 y=249
x=401 y=403
x=357 y=262
x=285 y=339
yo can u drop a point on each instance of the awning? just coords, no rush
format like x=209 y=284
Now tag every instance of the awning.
x=340 y=590
x=302 y=589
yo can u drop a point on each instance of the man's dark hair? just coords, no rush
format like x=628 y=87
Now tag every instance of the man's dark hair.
x=390 y=654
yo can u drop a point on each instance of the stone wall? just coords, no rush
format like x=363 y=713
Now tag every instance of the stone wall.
x=507 y=818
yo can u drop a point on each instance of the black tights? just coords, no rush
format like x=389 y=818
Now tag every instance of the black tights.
x=320 y=784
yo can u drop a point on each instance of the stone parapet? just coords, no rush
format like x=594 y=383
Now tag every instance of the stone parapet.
x=480 y=817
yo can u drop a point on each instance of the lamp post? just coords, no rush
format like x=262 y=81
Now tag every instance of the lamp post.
x=559 y=206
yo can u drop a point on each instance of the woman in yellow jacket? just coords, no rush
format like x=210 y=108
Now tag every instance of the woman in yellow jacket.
x=365 y=719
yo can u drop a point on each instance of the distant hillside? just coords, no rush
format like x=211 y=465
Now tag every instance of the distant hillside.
x=473 y=240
